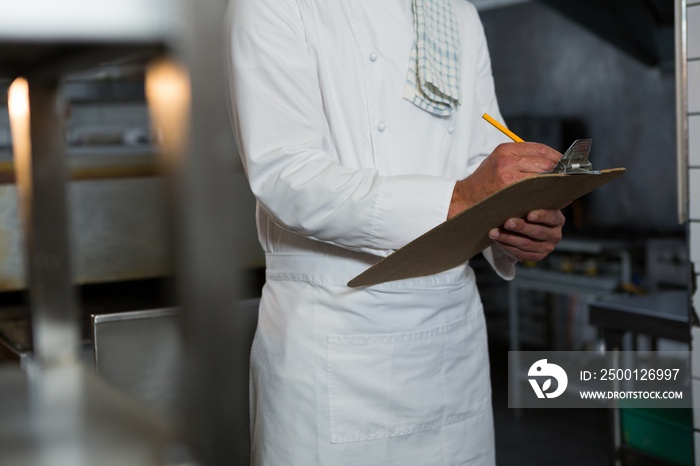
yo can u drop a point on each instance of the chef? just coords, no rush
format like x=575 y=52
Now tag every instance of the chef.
x=359 y=126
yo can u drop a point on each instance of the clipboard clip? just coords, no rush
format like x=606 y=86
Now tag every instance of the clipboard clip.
x=575 y=159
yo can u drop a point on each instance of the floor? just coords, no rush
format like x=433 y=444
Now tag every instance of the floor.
x=543 y=437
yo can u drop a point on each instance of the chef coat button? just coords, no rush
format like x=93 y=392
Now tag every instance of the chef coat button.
x=373 y=56
x=451 y=129
x=381 y=126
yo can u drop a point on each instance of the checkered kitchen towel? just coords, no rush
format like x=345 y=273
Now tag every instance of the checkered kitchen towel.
x=433 y=75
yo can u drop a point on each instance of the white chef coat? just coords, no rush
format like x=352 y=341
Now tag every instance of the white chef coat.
x=345 y=171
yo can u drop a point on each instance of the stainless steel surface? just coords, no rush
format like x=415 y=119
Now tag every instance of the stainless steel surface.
x=217 y=337
x=84 y=20
x=140 y=353
x=116 y=226
x=588 y=295
x=575 y=159
x=662 y=314
x=586 y=289
x=52 y=39
x=62 y=416
x=667 y=263
x=681 y=41
x=43 y=201
x=57 y=414
x=646 y=314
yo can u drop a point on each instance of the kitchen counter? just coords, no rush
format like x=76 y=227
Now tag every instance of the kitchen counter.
x=665 y=314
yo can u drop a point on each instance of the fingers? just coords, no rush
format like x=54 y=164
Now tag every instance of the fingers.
x=522 y=255
x=522 y=247
x=541 y=225
x=526 y=157
x=532 y=238
x=507 y=164
x=530 y=149
x=549 y=217
x=535 y=164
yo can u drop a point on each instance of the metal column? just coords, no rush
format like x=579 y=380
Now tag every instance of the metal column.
x=41 y=183
x=216 y=332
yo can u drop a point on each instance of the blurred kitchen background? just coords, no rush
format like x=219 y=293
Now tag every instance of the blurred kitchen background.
x=162 y=249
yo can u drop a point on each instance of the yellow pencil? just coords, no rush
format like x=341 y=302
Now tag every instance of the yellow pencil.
x=502 y=128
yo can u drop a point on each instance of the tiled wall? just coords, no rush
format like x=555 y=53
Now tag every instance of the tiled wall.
x=693 y=15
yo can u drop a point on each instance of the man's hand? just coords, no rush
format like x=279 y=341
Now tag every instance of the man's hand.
x=507 y=164
x=531 y=238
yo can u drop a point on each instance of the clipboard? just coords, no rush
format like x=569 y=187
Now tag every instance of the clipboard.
x=460 y=238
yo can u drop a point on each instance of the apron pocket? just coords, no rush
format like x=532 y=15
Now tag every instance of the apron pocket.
x=389 y=385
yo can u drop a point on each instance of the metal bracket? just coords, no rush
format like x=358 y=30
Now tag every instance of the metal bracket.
x=575 y=159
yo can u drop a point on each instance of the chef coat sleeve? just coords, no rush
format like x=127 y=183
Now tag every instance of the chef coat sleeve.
x=485 y=139
x=287 y=153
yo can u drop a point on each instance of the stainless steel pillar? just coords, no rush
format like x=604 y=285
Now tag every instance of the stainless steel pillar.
x=41 y=183
x=208 y=228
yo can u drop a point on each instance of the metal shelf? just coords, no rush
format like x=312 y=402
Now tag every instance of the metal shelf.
x=55 y=38
x=46 y=41
x=57 y=409
x=39 y=21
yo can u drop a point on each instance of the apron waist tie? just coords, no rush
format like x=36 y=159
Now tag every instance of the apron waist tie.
x=335 y=270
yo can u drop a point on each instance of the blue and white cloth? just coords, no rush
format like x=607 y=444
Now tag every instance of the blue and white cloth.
x=433 y=75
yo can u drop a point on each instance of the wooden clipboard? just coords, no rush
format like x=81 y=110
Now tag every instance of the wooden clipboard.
x=465 y=235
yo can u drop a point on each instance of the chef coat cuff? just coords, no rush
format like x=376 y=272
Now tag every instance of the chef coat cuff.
x=407 y=207
x=502 y=262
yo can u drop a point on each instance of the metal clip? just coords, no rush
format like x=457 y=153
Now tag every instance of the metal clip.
x=575 y=159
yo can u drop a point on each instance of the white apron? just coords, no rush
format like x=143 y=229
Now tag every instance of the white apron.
x=397 y=374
